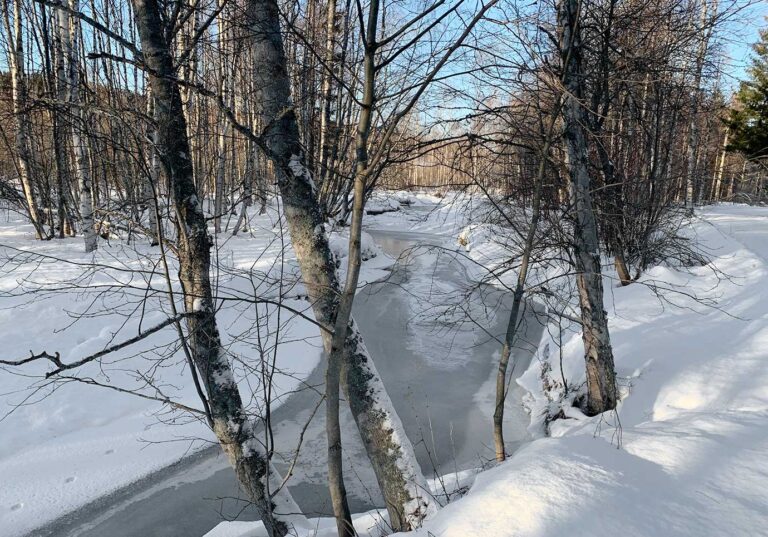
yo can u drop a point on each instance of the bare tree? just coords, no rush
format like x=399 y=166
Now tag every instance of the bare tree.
x=228 y=417
x=20 y=97
x=69 y=31
x=601 y=377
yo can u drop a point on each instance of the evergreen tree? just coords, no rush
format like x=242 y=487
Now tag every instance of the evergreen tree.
x=749 y=120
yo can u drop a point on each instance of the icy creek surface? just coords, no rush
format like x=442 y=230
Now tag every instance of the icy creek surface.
x=439 y=374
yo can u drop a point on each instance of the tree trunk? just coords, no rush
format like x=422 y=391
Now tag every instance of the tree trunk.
x=693 y=184
x=326 y=91
x=224 y=92
x=720 y=168
x=20 y=99
x=601 y=381
x=227 y=414
x=517 y=300
x=68 y=34
x=390 y=452
x=151 y=187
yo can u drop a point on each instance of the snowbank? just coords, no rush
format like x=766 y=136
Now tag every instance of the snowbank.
x=688 y=451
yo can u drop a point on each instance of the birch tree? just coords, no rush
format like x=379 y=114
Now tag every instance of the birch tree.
x=229 y=421
x=20 y=97
x=390 y=452
x=69 y=31
x=598 y=355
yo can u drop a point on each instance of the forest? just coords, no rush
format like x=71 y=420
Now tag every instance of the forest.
x=370 y=267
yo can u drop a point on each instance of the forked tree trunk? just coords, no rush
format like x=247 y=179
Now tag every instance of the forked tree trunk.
x=601 y=378
x=389 y=450
x=247 y=201
x=230 y=423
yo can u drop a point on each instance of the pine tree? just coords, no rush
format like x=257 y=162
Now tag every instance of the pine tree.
x=749 y=120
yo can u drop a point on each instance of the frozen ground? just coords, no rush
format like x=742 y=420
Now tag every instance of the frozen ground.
x=687 y=452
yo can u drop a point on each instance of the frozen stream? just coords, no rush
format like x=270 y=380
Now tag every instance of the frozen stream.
x=440 y=377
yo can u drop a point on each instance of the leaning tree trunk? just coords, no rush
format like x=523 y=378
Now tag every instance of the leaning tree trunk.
x=230 y=423
x=68 y=34
x=601 y=378
x=517 y=298
x=390 y=452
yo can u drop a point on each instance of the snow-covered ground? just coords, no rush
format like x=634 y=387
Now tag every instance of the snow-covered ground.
x=687 y=452
x=65 y=444
x=689 y=458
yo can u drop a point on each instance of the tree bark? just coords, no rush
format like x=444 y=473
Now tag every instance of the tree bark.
x=151 y=187
x=228 y=416
x=601 y=381
x=391 y=454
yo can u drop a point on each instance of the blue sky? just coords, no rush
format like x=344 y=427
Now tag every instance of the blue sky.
x=738 y=46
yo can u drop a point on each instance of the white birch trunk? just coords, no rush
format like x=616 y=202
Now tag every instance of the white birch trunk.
x=68 y=34
x=224 y=90
x=720 y=168
x=20 y=97
x=391 y=453
x=151 y=186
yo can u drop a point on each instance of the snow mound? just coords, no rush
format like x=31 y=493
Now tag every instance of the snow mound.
x=339 y=243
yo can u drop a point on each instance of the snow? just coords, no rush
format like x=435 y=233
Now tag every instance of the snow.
x=687 y=451
x=79 y=442
x=691 y=452
x=686 y=454
x=371 y=524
